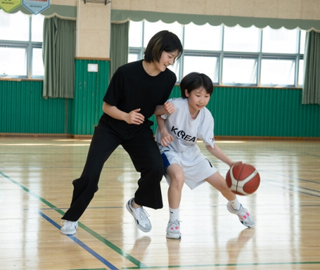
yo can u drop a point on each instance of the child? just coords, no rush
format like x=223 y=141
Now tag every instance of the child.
x=177 y=136
x=136 y=91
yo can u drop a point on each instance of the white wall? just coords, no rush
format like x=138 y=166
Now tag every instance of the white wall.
x=284 y=9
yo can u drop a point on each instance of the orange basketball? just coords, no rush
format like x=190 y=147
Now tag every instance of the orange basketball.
x=243 y=179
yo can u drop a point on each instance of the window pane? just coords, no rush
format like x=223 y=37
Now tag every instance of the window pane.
x=237 y=70
x=279 y=40
x=152 y=28
x=37 y=28
x=302 y=41
x=301 y=72
x=13 y=61
x=135 y=34
x=203 y=64
x=202 y=37
x=37 y=63
x=277 y=72
x=133 y=57
x=14 y=26
x=240 y=39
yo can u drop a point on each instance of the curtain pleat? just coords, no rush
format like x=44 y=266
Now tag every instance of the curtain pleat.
x=119 y=47
x=58 y=55
x=311 y=84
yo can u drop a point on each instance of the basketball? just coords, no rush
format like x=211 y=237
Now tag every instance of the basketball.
x=243 y=179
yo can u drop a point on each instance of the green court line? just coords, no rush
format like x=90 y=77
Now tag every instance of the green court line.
x=138 y=264
x=87 y=229
x=222 y=265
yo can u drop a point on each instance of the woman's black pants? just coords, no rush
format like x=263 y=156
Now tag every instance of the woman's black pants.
x=145 y=156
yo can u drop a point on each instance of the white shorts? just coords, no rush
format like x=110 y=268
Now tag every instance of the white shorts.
x=194 y=175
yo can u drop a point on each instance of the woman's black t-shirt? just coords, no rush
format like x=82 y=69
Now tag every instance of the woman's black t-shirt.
x=132 y=88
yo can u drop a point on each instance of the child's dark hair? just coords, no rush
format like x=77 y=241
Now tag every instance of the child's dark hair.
x=195 y=80
x=162 y=41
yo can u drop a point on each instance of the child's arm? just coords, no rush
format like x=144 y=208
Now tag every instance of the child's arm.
x=219 y=154
x=165 y=108
x=133 y=117
x=166 y=137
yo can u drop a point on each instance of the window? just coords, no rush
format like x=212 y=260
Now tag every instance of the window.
x=204 y=64
x=230 y=55
x=151 y=28
x=240 y=39
x=194 y=38
x=279 y=40
x=239 y=71
x=277 y=72
x=21 y=45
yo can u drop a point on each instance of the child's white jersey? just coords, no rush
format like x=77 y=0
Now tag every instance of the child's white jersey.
x=186 y=131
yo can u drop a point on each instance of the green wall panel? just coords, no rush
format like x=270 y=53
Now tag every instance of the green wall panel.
x=90 y=88
x=24 y=110
x=263 y=112
x=260 y=112
x=257 y=112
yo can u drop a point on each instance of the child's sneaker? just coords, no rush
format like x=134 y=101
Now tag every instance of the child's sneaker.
x=69 y=227
x=243 y=214
x=173 y=229
x=140 y=216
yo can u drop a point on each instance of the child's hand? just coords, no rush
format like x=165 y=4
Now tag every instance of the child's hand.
x=234 y=163
x=166 y=137
x=134 y=117
x=168 y=106
x=166 y=140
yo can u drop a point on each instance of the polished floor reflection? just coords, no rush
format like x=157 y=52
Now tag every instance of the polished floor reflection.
x=35 y=190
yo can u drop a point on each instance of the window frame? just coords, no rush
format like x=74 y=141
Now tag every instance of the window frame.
x=229 y=55
x=221 y=55
x=28 y=45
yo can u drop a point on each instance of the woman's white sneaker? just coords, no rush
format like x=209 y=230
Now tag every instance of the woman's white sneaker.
x=69 y=227
x=140 y=216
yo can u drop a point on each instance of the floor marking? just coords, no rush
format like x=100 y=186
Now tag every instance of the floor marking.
x=138 y=264
x=81 y=225
x=80 y=243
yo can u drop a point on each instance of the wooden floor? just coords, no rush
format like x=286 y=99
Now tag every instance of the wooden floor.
x=35 y=191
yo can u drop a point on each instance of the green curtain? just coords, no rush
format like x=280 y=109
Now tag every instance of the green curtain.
x=119 y=47
x=58 y=53
x=118 y=15
x=311 y=84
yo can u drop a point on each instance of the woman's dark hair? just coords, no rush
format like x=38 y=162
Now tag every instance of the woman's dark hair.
x=195 y=80
x=162 y=41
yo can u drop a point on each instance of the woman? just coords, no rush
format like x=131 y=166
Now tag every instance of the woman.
x=136 y=91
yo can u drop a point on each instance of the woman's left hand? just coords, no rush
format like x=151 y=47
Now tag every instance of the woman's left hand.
x=168 y=106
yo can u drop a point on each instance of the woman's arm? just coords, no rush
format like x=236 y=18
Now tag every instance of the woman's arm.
x=133 y=117
x=165 y=108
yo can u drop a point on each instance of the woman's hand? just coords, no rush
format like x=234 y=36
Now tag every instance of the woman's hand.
x=168 y=106
x=134 y=117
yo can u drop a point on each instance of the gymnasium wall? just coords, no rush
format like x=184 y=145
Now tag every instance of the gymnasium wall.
x=23 y=110
x=262 y=112
x=270 y=112
x=90 y=88
x=239 y=112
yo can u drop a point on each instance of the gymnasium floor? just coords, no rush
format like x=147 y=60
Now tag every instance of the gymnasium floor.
x=35 y=191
